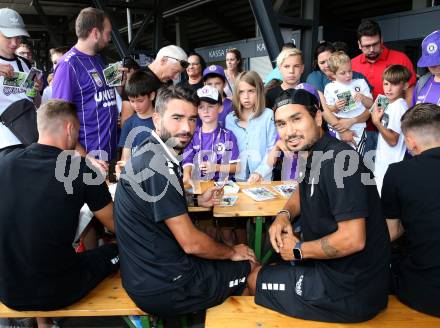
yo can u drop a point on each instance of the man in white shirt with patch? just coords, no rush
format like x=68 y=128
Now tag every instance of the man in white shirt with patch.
x=12 y=28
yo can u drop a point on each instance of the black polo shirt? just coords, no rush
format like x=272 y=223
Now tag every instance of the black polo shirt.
x=38 y=222
x=411 y=193
x=324 y=203
x=151 y=259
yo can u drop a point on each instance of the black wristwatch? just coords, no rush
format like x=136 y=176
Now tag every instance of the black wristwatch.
x=297 y=253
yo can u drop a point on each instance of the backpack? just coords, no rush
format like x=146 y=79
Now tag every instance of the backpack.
x=422 y=81
x=21 y=118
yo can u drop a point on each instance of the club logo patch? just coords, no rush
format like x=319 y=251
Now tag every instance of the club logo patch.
x=431 y=48
x=95 y=76
x=220 y=148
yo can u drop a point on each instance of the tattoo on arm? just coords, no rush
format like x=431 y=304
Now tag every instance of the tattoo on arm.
x=328 y=250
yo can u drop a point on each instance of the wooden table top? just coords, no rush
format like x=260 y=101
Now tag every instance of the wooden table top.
x=247 y=207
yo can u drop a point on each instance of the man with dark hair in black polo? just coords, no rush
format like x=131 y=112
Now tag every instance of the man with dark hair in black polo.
x=168 y=266
x=336 y=269
x=411 y=202
x=44 y=188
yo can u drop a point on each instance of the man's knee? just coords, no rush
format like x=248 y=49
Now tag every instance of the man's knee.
x=252 y=278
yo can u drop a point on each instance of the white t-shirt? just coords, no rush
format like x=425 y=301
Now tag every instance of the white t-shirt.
x=386 y=154
x=8 y=95
x=335 y=88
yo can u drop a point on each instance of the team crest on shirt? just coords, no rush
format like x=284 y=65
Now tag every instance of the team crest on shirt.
x=357 y=89
x=95 y=76
x=220 y=148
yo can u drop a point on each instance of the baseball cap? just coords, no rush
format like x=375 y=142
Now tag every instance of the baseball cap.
x=430 y=50
x=214 y=70
x=209 y=94
x=299 y=97
x=11 y=23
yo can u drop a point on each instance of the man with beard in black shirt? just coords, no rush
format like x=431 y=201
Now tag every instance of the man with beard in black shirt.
x=168 y=266
x=336 y=269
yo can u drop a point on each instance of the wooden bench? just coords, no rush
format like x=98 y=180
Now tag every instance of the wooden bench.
x=242 y=312
x=107 y=299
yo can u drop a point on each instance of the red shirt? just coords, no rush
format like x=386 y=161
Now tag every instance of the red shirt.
x=373 y=71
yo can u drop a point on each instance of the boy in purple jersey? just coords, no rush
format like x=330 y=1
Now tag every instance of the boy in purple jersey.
x=79 y=79
x=214 y=76
x=213 y=154
x=213 y=151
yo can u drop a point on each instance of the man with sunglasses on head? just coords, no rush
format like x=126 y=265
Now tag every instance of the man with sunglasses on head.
x=373 y=60
x=169 y=63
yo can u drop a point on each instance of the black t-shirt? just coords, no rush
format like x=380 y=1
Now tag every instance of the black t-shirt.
x=411 y=193
x=157 y=83
x=194 y=87
x=38 y=222
x=151 y=259
x=326 y=200
x=272 y=95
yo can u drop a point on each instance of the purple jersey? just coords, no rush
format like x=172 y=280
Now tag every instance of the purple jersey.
x=219 y=146
x=429 y=93
x=79 y=79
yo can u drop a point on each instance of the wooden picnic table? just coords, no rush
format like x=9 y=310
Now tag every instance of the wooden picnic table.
x=247 y=207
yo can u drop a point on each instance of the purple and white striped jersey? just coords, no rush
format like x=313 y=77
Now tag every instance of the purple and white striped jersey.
x=79 y=79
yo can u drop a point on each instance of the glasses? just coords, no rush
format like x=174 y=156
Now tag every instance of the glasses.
x=371 y=46
x=182 y=62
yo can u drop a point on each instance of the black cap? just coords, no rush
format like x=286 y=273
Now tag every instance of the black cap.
x=299 y=97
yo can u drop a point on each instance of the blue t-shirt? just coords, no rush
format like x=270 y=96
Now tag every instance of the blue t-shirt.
x=140 y=136
x=319 y=80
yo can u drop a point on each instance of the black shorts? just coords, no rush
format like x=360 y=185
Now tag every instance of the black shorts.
x=94 y=266
x=214 y=281
x=299 y=291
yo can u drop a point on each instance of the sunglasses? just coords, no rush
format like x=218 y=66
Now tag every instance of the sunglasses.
x=182 y=62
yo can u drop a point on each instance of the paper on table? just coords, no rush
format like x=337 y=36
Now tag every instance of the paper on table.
x=86 y=215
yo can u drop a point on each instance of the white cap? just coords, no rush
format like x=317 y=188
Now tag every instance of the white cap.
x=11 y=23
x=209 y=94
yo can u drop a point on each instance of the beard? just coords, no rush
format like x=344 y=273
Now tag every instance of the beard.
x=173 y=141
x=373 y=56
x=305 y=147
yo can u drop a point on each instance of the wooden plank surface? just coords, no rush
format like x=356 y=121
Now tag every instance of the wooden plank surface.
x=107 y=299
x=242 y=312
x=247 y=207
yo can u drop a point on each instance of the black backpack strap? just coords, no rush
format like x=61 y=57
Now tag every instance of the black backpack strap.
x=19 y=61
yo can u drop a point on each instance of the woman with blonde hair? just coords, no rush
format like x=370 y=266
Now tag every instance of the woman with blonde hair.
x=253 y=125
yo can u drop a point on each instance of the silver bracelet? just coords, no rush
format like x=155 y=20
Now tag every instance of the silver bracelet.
x=285 y=212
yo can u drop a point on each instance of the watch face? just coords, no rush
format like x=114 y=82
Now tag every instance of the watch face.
x=297 y=254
